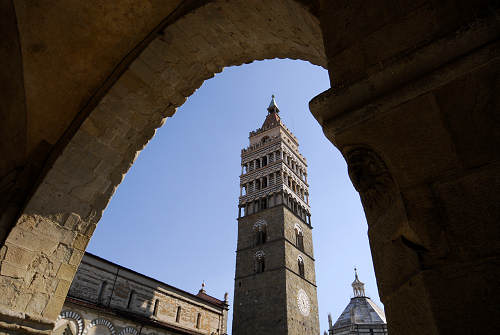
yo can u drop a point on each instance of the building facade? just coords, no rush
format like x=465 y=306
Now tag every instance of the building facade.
x=275 y=284
x=108 y=299
x=361 y=316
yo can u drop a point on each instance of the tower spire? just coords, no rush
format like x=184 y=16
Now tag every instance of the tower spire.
x=272 y=119
x=273 y=107
x=357 y=286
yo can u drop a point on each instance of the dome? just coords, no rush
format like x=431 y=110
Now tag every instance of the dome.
x=360 y=310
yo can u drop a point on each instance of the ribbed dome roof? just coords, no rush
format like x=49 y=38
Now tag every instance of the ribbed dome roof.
x=360 y=310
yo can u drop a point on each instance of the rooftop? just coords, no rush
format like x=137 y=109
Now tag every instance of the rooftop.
x=205 y=297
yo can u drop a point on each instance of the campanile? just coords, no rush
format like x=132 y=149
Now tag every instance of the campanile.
x=275 y=283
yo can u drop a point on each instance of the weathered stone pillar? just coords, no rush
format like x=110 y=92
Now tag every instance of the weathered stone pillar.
x=414 y=108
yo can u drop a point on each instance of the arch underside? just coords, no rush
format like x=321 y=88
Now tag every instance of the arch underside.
x=60 y=217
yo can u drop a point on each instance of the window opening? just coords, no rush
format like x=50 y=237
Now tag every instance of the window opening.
x=261 y=235
x=198 y=320
x=260 y=262
x=299 y=239
x=155 y=309
x=178 y=315
x=100 y=297
x=300 y=262
x=130 y=297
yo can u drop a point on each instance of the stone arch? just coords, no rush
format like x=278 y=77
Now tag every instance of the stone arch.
x=128 y=330
x=72 y=316
x=297 y=228
x=66 y=206
x=100 y=322
x=259 y=225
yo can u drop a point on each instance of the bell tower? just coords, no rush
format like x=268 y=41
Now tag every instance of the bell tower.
x=275 y=282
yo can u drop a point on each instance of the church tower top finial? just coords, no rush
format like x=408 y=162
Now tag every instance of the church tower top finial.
x=357 y=286
x=273 y=107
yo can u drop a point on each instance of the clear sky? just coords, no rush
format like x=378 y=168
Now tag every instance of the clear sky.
x=174 y=215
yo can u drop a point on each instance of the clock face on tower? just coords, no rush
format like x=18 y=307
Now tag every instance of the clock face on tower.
x=303 y=302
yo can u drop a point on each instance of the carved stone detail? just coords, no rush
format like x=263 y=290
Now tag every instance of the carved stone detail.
x=370 y=177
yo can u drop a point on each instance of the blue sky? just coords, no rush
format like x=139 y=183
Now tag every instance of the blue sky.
x=174 y=215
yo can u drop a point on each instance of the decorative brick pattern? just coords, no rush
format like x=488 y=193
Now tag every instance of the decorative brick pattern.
x=74 y=316
x=98 y=322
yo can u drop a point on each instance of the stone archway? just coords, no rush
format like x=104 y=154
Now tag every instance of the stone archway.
x=43 y=250
x=414 y=109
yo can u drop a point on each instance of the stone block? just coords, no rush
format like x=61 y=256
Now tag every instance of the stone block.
x=37 y=303
x=10 y=288
x=88 y=191
x=21 y=301
x=72 y=221
x=76 y=257
x=43 y=265
x=11 y=270
x=19 y=256
x=470 y=105
x=80 y=242
x=62 y=288
x=394 y=262
x=408 y=310
x=30 y=241
x=62 y=253
x=471 y=211
x=66 y=272
x=53 y=307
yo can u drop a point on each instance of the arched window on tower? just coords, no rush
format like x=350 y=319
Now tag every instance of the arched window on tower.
x=260 y=233
x=260 y=261
x=264 y=161
x=300 y=263
x=299 y=238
